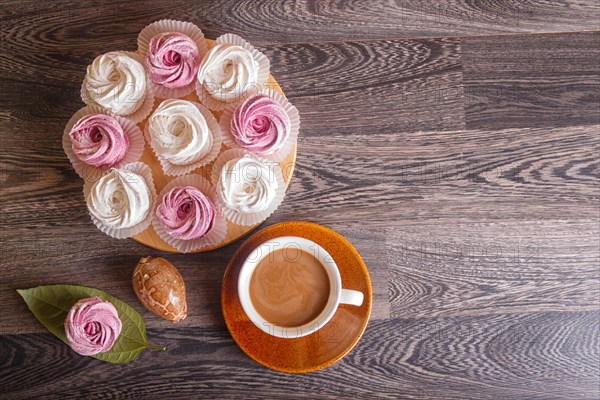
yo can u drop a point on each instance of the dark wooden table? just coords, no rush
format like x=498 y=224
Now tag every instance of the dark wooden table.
x=455 y=144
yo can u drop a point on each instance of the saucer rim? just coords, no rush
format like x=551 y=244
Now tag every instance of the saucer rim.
x=368 y=295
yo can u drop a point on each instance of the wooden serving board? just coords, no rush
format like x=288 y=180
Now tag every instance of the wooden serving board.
x=234 y=231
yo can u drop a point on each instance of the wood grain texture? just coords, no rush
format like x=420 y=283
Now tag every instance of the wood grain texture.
x=276 y=21
x=43 y=258
x=533 y=81
x=476 y=210
x=451 y=270
x=475 y=175
x=399 y=85
x=403 y=85
x=552 y=355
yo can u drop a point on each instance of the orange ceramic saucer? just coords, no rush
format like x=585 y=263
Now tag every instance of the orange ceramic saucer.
x=317 y=350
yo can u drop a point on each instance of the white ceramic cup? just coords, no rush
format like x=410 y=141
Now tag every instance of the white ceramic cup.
x=337 y=295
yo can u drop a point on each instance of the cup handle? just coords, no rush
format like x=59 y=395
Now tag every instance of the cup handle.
x=352 y=297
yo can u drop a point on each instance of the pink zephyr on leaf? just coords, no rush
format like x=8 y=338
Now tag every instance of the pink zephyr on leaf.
x=92 y=326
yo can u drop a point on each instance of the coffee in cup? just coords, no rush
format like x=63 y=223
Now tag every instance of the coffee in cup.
x=290 y=287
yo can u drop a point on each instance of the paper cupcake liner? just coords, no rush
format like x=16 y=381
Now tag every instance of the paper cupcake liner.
x=239 y=218
x=176 y=170
x=263 y=75
x=169 y=25
x=286 y=147
x=214 y=236
x=142 y=110
x=89 y=172
x=146 y=173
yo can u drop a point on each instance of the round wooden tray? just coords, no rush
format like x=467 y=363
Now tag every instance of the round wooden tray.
x=234 y=231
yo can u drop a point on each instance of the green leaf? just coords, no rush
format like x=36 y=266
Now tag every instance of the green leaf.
x=50 y=305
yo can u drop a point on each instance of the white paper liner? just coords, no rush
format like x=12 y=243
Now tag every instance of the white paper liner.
x=214 y=236
x=240 y=218
x=263 y=75
x=143 y=110
x=286 y=147
x=176 y=170
x=89 y=172
x=169 y=25
x=146 y=173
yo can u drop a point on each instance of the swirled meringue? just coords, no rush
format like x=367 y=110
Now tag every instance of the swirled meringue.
x=227 y=71
x=116 y=82
x=172 y=60
x=186 y=213
x=179 y=132
x=99 y=140
x=260 y=124
x=92 y=326
x=247 y=185
x=120 y=199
